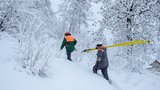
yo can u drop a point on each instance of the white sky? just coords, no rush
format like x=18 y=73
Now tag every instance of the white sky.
x=54 y=4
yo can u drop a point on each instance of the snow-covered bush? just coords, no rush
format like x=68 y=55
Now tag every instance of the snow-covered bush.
x=31 y=22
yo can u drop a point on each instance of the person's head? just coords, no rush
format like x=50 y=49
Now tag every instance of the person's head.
x=67 y=34
x=98 y=46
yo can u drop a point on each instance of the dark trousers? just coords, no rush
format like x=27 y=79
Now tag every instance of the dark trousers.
x=103 y=70
x=69 y=55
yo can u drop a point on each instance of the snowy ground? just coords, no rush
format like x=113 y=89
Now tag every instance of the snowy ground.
x=67 y=75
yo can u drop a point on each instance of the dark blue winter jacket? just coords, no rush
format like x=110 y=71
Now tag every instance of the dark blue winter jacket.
x=103 y=62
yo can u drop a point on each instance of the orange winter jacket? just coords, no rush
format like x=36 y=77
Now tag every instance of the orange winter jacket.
x=69 y=38
x=69 y=42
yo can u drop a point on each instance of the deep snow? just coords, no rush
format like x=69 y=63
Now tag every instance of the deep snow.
x=65 y=75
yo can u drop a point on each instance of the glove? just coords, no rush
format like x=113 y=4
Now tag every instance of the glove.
x=99 y=59
x=61 y=48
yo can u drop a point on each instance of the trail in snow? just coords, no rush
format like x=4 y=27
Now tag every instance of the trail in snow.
x=74 y=77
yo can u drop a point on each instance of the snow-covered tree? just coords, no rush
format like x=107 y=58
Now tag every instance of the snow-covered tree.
x=75 y=14
x=130 y=20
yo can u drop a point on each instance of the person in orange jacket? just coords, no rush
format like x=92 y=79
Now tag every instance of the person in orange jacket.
x=69 y=42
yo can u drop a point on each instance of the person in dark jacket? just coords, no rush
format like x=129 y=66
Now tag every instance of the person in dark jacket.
x=101 y=62
x=69 y=42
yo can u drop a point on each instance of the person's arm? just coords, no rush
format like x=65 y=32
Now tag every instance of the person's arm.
x=99 y=56
x=75 y=41
x=63 y=43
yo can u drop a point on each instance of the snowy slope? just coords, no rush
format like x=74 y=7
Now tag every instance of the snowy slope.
x=67 y=75
x=71 y=76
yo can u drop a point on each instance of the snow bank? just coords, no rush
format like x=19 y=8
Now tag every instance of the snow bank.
x=67 y=75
